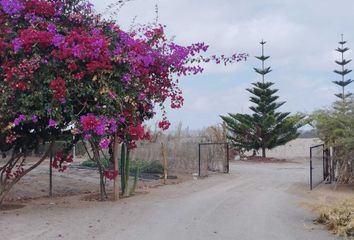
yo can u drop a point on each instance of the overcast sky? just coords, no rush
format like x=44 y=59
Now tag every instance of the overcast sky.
x=301 y=37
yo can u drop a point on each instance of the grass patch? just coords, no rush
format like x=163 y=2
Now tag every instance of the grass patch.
x=338 y=218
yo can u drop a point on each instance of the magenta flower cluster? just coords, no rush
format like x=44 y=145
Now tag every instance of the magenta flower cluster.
x=12 y=7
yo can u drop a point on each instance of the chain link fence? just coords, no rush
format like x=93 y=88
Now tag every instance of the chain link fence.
x=319 y=165
x=213 y=157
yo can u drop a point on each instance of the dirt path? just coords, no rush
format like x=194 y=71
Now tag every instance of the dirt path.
x=253 y=202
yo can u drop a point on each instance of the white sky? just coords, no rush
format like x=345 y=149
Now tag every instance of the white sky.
x=301 y=37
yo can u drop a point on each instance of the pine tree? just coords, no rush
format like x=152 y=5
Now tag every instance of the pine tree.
x=343 y=72
x=265 y=128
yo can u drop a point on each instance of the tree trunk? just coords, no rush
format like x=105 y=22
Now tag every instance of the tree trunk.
x=263 y=152
x=7 y=186
x=96 y=157
x=3 y=194
x=164 y=163
x=122 y=168
x=103 y=194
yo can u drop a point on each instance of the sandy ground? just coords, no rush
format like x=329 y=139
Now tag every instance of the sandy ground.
x=74 y=181
x=254 y=201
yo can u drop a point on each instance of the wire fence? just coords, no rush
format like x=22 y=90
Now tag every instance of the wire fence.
x=213 y=157
x=181 y=155
x=319 y=165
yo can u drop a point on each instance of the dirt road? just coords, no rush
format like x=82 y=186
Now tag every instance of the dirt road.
x=255 y=201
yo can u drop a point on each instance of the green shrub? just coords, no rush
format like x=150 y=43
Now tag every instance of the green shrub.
x=146 y=167
x=89 y=163
x=139 y=165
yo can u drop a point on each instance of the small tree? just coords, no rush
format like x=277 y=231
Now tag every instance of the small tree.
x=265 y=128
x=336 y=129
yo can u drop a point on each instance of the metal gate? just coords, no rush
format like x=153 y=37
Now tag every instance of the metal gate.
x=320 y=167
x=213 y=157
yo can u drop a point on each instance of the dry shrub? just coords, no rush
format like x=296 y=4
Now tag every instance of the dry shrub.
x=338 y=217
x=344 y=161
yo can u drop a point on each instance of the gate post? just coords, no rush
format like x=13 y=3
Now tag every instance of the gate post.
x=323 y=163
x=199 y=162
x=227 y=159
x=331 y=155
x=311 y=168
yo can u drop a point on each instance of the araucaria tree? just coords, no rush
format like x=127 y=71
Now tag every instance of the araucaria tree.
x=265 y=128
x=335 y=125
x=343 y=72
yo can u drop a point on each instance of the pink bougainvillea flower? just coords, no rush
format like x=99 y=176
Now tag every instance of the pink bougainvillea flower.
x=59 y=89
x=104 y=143
x=34 y=118
x=110 y=174
x=89 y=122
x=12 y=7
x=136 y=132
x=52 y=123
x=122 y=120
x=141 y=97
x=17 y=45
x=87 y=136
x=10 y=139
x=19 y=119
x=61 y=161
x=164 y=125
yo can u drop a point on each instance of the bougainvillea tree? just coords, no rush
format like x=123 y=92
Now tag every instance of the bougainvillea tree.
x=66 y=71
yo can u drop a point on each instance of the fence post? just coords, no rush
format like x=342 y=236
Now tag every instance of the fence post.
x=164 y=163
x=323 y=163
x=74 y=150
x=199 y=162
x=227 y=158
x=331 y=155
x=311 y=168
x=51 y=173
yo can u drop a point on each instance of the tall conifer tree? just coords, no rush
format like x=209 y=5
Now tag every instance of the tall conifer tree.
x=343 y=72
x=265 y=128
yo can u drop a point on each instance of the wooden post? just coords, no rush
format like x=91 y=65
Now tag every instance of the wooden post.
x=74 y=150
x=164 y=163
x=199 y=161
x=51 y=174
x=227 y=159
x=122 y=167
x=115 y=163
x=331 y=156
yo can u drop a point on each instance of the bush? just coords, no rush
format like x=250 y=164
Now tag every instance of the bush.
x=338 y=218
